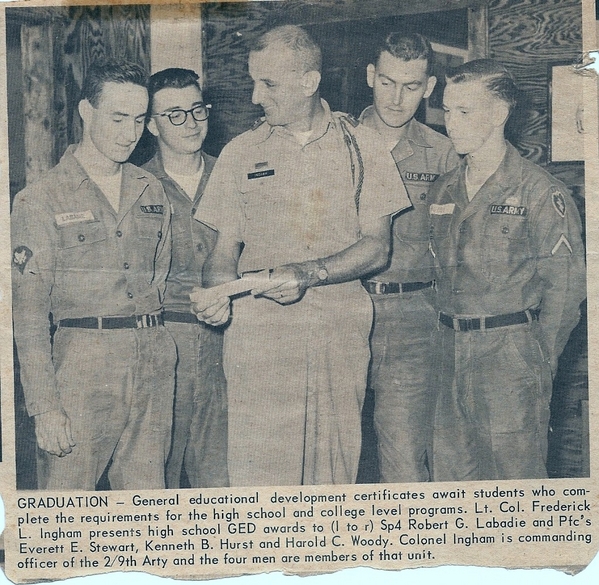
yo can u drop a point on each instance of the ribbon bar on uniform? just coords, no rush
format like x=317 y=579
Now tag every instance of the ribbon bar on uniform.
x=482 y=323
x=132 y=322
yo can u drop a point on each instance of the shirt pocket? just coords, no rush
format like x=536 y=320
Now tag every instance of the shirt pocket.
x=81 y=234
x=149 y=225
x=505 y=248
x=440 y=217
x=266 y=199
x=412 y=225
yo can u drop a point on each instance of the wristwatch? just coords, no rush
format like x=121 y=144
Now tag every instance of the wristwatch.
x=321 y=271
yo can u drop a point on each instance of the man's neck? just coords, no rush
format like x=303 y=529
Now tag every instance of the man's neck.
x=181 y=164
x=94 y=162
x=486 y=160
x=483 y=163
x=310 y=118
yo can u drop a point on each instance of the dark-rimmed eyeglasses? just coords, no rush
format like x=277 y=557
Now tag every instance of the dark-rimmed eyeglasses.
x=178 y=117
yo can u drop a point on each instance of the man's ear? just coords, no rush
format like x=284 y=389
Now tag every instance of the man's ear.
x=499 y=113
x=430 y=85
x=151 y=126
x=370 y=73
x=310 y=82
x=85 y=110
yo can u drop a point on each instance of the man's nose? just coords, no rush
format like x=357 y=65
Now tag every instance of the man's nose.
x=398 y=95
x=256 y=94
x=132 y=131
x=190 y=121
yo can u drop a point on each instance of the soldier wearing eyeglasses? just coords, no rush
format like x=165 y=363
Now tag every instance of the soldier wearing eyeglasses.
x=179 y=121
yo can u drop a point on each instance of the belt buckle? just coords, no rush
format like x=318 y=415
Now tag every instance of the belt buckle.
x=468 y=323
x=379 y=288
x=99 y=321
x=145 y=321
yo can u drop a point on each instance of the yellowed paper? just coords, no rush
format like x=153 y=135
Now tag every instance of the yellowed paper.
x=202 y=533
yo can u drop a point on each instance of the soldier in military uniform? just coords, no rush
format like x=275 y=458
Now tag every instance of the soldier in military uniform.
x=506 y=237
x=92 y=251
x=405 y=320
x=283 y=197
x=179 y=121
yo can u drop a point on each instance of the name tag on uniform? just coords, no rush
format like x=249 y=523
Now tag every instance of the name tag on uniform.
x=445 y=209
x=159 y=209
x=509 y=210
x=74 y=217
x=422 y=177
x=260 y=174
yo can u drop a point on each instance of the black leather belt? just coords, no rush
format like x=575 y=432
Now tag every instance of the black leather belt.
x=482 y=323
x=133 y=322
x=374 y=287
x=177 y=317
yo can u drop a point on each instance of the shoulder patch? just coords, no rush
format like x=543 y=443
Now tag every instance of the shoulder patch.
x=20 y=256
x=558 y=201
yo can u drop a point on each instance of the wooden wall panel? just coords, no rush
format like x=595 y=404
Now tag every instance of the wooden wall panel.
x=346 y=43
x=38 y=94
x=528 y=35
x=98 y=32
x=58 y=45
x=227 y=84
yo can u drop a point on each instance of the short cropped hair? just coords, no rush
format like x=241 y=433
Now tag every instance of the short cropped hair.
x=406 y=46
x=173 y=77
x=110 y=71
x=295 y=38
x=497 y=79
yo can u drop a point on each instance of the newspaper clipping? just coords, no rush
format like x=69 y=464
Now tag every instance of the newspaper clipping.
x=368 y=345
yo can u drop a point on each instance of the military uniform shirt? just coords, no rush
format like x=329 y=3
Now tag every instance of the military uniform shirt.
x=74 y=257
x=274 y=195
x=192 y=240
x=421 y=156
x=516 y=246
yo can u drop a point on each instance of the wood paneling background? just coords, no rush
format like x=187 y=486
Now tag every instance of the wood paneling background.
x=528 y=35
x=525 y=35
x=346 y=43
x=57 y=46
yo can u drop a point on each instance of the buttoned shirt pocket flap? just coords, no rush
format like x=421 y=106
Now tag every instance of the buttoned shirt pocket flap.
x=441 y=216
x=505 y=246
x=149 y=221
x=81 y=234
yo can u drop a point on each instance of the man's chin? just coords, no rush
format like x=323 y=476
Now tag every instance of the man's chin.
x=395 y=121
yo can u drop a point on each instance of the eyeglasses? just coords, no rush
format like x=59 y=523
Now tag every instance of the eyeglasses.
x=179 y=117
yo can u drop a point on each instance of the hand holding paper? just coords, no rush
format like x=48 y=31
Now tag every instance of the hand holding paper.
x=213 y=305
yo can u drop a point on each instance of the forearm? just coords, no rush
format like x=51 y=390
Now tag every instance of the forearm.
x=561 y=302
x=369 y=254
x=34 y=351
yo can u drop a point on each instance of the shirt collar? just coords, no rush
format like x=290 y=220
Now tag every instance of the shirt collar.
x=76 y=176
x=318 y=130
x=508 y=172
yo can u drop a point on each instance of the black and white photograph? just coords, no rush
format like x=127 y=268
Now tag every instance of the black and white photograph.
x=299 y=243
